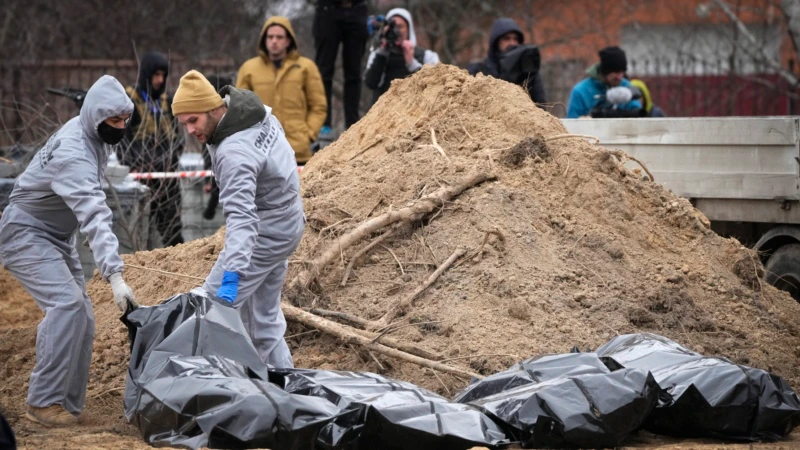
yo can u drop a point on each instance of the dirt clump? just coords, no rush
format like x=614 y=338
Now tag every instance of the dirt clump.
x=566 y=247
x=18 y=308
x=529 y=147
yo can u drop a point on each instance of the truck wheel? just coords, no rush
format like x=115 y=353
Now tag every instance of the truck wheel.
x=783 y=269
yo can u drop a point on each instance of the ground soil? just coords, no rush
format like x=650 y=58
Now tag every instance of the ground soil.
x=567 y=247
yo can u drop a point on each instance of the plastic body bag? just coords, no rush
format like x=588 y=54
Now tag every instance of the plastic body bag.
x=709 y=396
x=195 y=380
x=379 y=412
x=569 y=400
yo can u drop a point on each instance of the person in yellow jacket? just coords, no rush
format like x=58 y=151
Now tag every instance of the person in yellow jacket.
x=288 y=83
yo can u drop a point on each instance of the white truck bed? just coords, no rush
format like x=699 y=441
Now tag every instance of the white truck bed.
x=734 y=168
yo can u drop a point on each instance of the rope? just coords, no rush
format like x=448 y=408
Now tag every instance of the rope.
x=164 y=272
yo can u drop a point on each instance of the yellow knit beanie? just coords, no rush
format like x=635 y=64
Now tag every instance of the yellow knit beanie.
x=195 y=94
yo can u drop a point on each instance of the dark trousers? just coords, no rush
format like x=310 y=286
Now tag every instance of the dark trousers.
x=165 y=211
x=347 y=26
x=213 y=200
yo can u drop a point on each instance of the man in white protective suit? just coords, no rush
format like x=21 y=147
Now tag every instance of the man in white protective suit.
x=58 y=193
x=259 y=189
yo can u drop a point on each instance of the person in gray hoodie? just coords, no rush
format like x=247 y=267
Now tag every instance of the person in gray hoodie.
x=60 y=192
x=259 y=189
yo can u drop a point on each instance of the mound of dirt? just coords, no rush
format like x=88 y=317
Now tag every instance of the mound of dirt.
x=18 y=308
x=566 y=247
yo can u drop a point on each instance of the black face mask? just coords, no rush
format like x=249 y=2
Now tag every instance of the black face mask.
x=110 y=135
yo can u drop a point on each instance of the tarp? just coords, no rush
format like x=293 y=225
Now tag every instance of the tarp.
x=7 y=441
x=709 y=396
x=195 y=380
x=568 y=400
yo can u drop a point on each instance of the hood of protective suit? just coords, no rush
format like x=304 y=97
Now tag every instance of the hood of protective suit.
x=106 y=98
x=499 y=28
x=244 y=110
x=285 y=23
x=151 y=63
x=402 y=12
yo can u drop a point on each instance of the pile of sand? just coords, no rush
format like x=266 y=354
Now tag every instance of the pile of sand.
x=18 y=308
x=566 y=248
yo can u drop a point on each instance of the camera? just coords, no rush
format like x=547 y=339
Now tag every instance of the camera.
x=391 y=35
x=520 y=63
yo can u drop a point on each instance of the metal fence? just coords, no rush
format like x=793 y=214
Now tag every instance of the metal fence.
x=28 y=113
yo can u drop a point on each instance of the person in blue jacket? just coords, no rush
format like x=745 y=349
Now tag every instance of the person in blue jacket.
x=590 y=93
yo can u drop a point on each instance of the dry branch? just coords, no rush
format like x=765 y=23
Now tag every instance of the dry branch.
x=361 y=252
x=411 y=348
x=396 y=308
x=623 y=156
x=387 y=341
x=340 y=315
x=438 y=147
x=481 y=356
x=396 y=259
x=350 y=337
x=392 y=329
x=416 y=211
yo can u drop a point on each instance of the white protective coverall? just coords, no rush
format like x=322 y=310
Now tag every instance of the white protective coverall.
x=260 y=194
x=60 y=191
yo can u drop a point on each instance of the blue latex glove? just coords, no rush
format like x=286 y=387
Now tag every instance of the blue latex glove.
x=229 y=287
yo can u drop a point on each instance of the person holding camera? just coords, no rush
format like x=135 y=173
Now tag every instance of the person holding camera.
x=510 y=60
x=398 y=55
x=605 y=92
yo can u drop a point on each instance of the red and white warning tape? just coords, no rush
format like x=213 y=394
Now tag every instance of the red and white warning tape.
x=185 y=174
x=160 y=175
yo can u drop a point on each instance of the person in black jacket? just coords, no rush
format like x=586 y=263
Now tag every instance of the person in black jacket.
x=341 y=22
x=399 y=59
x=154 y=144
x=506 y=35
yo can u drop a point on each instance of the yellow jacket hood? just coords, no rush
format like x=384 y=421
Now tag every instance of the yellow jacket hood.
x=285 y=23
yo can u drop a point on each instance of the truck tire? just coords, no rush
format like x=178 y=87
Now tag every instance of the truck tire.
x=783 y=269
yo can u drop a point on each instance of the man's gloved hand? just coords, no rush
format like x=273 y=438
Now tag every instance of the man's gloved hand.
x=123 y=295
x=229 y=287
x=619 y=95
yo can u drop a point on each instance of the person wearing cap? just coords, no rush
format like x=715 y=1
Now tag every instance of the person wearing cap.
x=259 y=189
x=591 y=92
x=288 y=83
x=59 y=193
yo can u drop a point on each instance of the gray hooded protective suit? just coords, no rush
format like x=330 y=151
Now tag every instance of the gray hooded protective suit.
x=260 y=194
x=59 y=192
